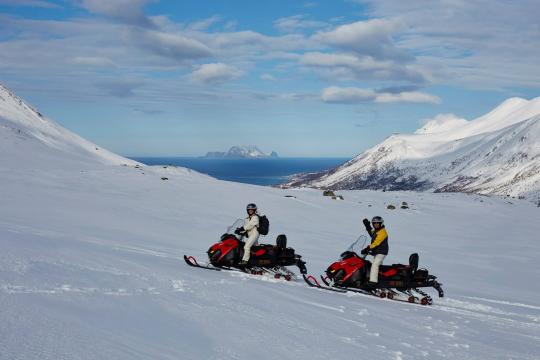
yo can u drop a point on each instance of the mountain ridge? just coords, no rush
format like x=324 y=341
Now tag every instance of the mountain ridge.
x=497 y=153
x=34 y=130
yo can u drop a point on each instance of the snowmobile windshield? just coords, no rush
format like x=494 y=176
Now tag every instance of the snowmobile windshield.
x=355 y=247
x=236 y=224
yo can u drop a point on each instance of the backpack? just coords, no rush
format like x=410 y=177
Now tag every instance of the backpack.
x=264 y=225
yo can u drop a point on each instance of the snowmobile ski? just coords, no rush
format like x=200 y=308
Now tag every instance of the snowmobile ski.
x=391 y=294
x=276 y=273
x=191 y=261
x=311 y=281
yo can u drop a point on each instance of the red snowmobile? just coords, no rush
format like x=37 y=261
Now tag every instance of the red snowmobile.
x=396 y=281
x=264 y=258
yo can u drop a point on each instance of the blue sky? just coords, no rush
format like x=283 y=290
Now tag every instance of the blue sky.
x=304 y=78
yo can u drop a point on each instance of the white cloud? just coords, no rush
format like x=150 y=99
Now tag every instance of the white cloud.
x=479 y=51
x=205 y=24
x=367 y=52
x=95 y=61
x=297 y=22
x=30 y=3
x=296 y=96
x=349 y=95
x=408 y=96
x=120 y=87
x=354 y=95
x=478 y=44
x=250 y=42
x=215 y=73
x=174 y=46
x=332 y=59
x=288 y=97
x=130 y=11
x=230 y=25
x=46 y=44
x=268 y=77
x=310 y=4
x=350 y=66
x=371 y=37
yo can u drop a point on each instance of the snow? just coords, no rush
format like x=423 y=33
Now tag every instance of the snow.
x=91 y=265
x=19 y=120
x=498 y=153
x=441 y=123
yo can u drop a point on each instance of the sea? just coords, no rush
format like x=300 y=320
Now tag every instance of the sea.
x=258 y=171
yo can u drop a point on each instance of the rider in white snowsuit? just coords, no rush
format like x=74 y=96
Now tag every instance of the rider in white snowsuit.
x=250 y=230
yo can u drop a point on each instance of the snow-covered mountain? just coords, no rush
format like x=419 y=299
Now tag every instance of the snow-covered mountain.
x=245 y=151
x=91 y=264
x=24 y=128
x=498 y=153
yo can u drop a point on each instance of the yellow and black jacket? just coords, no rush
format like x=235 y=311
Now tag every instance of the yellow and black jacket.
x=379 y=241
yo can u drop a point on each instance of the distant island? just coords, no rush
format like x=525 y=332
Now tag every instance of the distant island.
x=240 y=152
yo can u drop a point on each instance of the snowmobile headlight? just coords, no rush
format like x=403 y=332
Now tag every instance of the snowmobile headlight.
x=333 y=271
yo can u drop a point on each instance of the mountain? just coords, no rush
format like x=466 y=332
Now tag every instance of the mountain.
x=24 y=128
x=239 y=152
x=497 y=153
x=33 y=145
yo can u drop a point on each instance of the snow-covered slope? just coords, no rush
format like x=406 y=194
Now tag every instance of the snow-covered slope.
x=91 y=267
x=498 y=153
x=24 y=128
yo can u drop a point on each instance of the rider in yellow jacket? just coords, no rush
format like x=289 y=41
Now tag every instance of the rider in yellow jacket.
x=378 y=247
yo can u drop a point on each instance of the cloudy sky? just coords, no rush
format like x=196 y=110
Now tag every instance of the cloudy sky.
x=304 y=78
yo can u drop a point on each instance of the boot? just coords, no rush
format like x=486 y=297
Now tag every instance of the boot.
x=372 y=285
x=243 y=263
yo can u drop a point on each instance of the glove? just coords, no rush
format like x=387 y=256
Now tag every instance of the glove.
x=367 y=224
x=239 y=231
x=365 y=251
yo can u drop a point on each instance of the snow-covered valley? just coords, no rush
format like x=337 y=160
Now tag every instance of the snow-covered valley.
x=91 y=264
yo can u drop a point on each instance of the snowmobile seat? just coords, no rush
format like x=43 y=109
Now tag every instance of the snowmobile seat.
x=398 y=270
x=281 y=241
x=260 y=252
x=262 y=249
x=413 y=262
x=385 y=268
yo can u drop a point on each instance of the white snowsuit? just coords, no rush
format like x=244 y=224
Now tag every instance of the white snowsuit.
x=374 y=272
x=251 y=224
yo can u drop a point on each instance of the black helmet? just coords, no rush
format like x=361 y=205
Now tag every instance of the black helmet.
x=251 y=207
x=377 y=219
